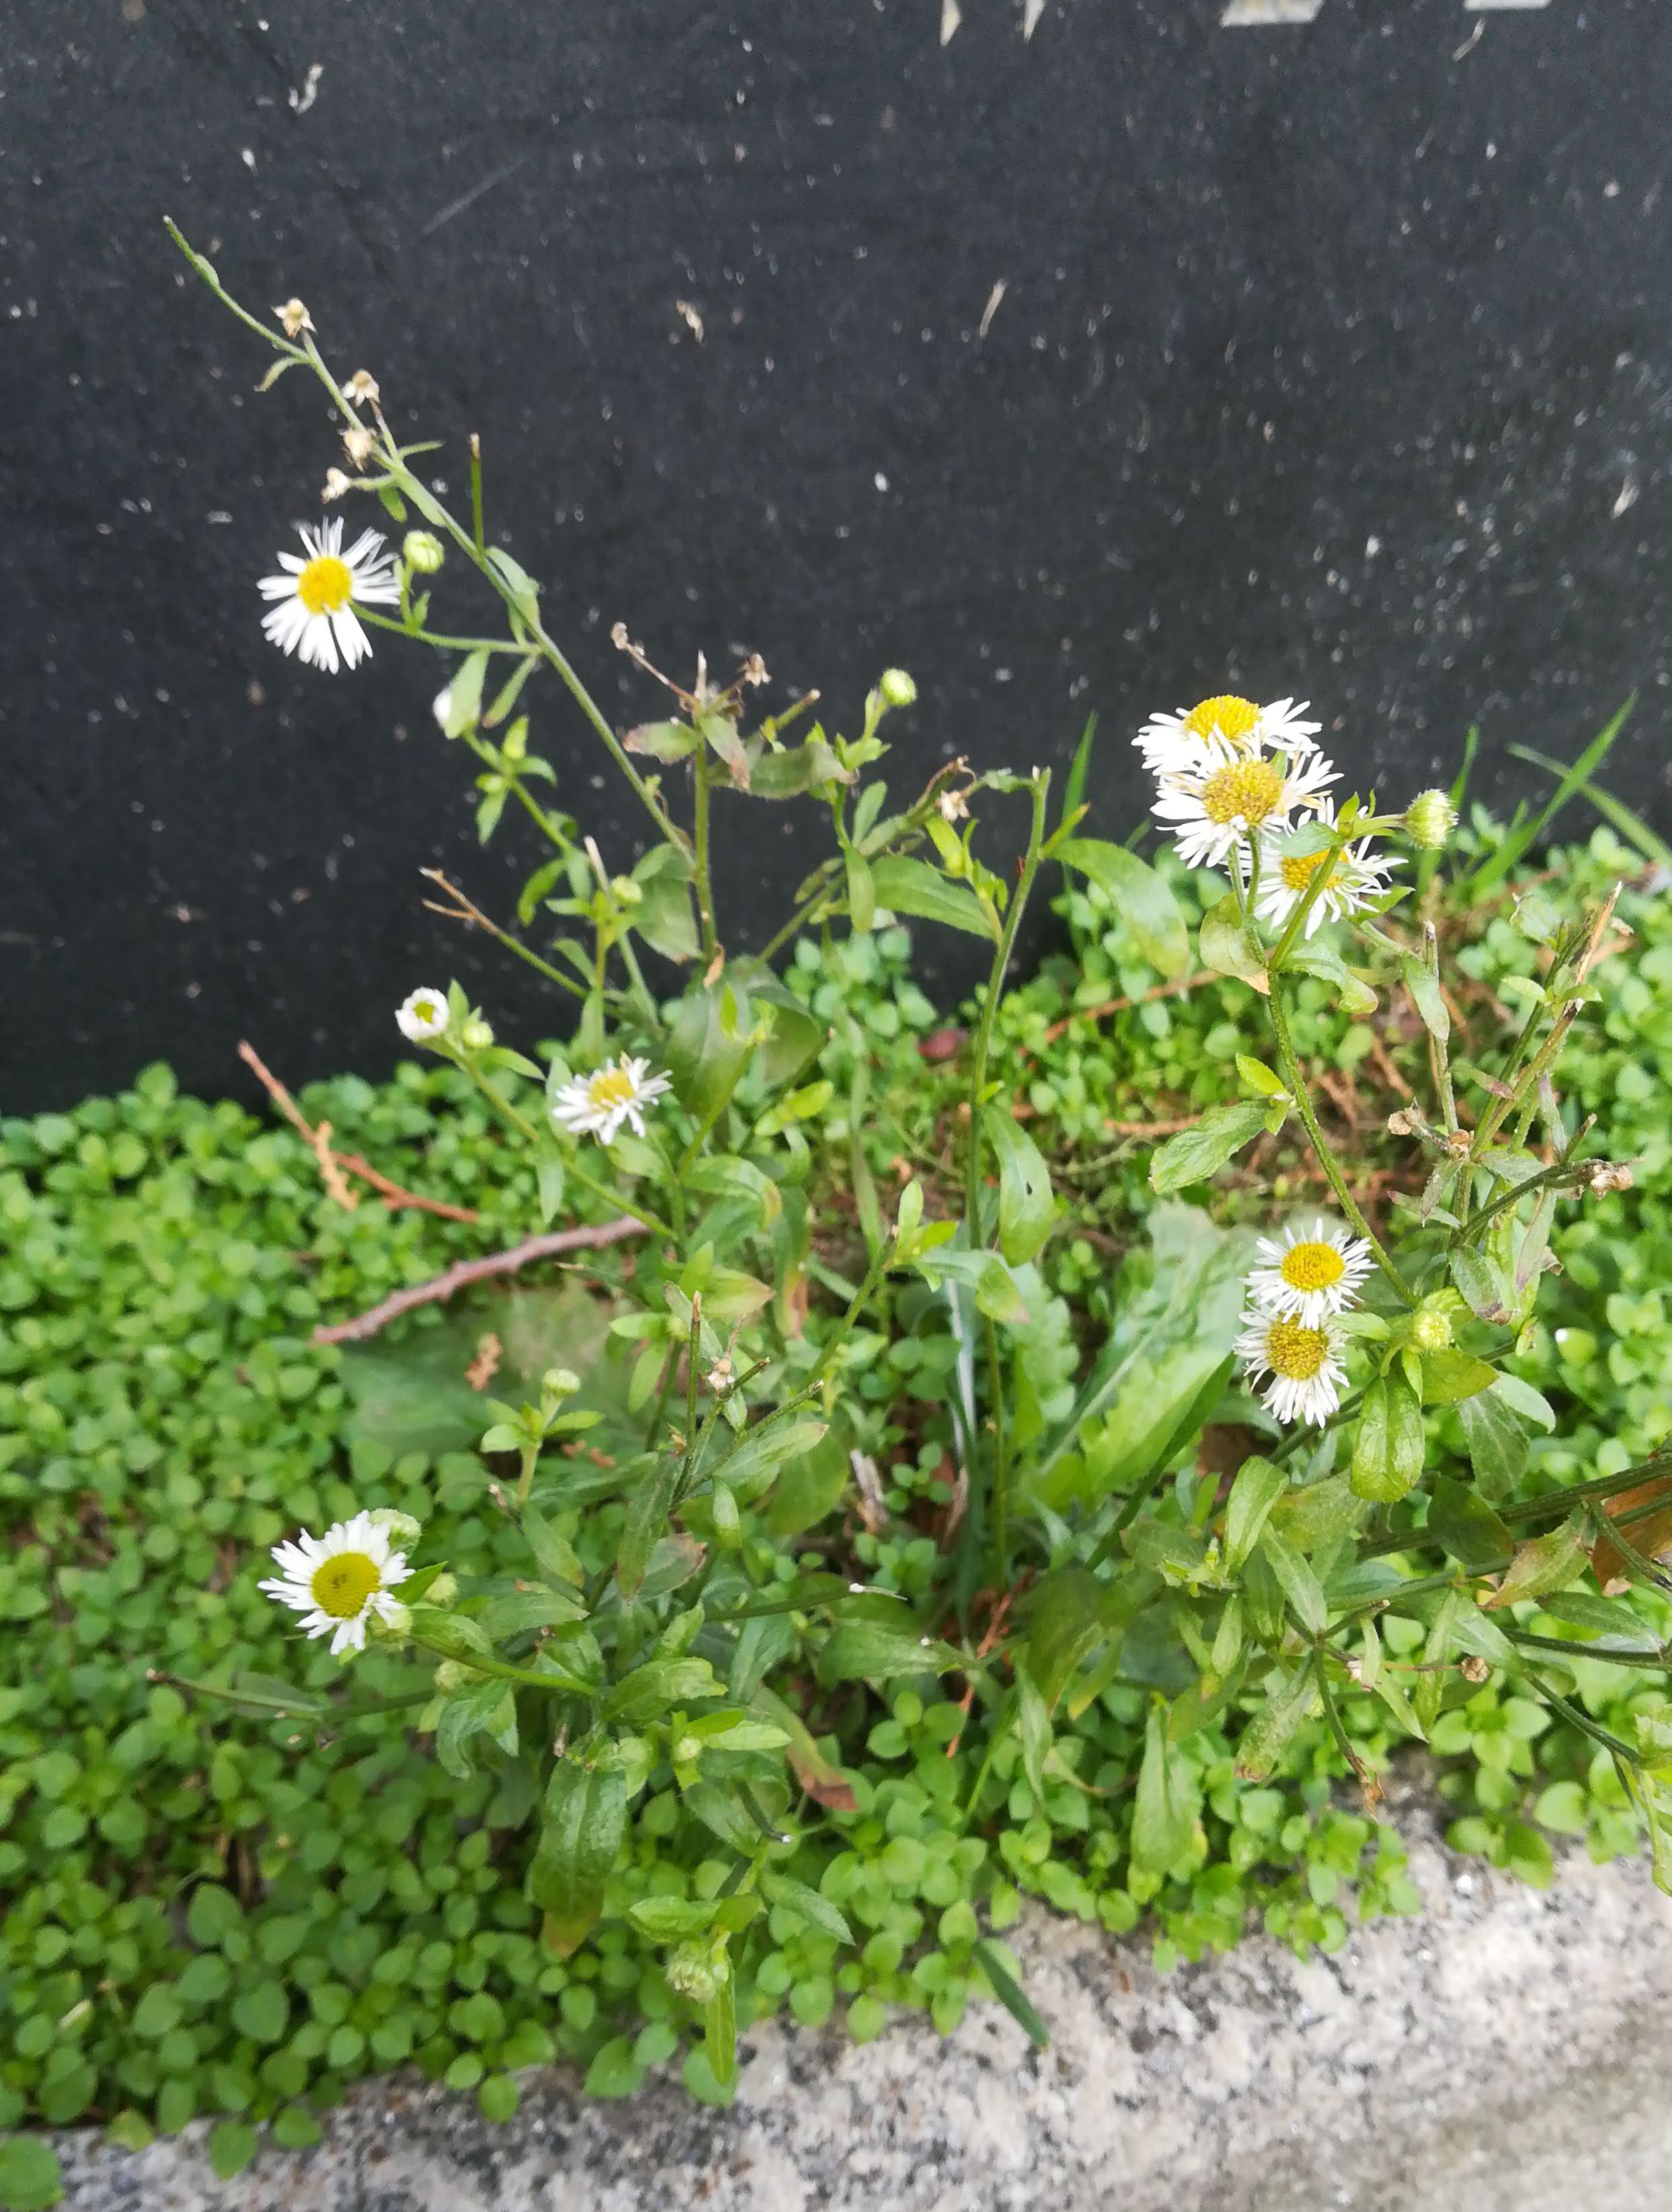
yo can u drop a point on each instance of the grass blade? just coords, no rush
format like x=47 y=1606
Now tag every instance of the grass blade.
x=1493 y=871
x=1010 y=1994
x=1632 y=827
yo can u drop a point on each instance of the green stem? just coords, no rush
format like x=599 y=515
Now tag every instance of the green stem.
x=479 y=1663
x=998 y=1488
x=431 y=637
x=1295 y=1083
x=704 y=885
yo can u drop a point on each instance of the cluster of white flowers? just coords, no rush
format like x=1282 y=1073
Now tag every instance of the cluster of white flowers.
x=1235 y=780
x=1292 y=1329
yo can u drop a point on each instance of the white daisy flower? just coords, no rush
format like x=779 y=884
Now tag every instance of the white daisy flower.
x=597 y=1105
x=1308 y=1278
x=1304 y=1363
x=1165 y=739
x=1358 y=878
x=340 y=1580
x=422 y=1016
x=1218 y=795
x=314 y=610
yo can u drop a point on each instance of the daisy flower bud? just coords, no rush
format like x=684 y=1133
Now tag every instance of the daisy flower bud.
x=897 y=688
x=442 y=1591
x=422 y=549
x=424 y=1016
x=391 y=1626
x=698 y=1970
x=338 y=1582
x=361 y=388
x=294 y=318
x=1429 y=820
x=597 y=1105
x=476 y=1035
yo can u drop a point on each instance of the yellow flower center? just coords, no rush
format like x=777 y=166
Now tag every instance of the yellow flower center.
x=1312 y=1267
x=343 y=1583
x=1248 y=790
x=1232 y=717
x=1295 y=1351
x=609 y=1089
x=1298 y=869
x=325 y=585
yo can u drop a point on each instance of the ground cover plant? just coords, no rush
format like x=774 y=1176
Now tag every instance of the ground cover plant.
x=933 y=1465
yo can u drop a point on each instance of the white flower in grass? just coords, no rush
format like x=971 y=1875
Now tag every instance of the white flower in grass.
x=1307 y=1279
x=314 y=598
x=597 y=1105
x=1304 y=1362
x=1219 y=795
x=1166 y=739
x=1358 y=878
x=340 y=1580
x=422 y=1016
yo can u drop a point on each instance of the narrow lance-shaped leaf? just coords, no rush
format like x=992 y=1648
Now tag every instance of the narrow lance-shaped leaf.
x=1144 y=903
x=1197 y=1153
x=1026 y=1207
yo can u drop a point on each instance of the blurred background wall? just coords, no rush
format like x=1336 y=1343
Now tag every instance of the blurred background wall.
x=1084 y=355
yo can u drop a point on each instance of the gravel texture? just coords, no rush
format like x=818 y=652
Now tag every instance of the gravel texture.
x=1501 y=2053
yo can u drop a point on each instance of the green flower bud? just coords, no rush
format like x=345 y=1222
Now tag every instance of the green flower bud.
x=403 y=1530
x=423 y=551
x=393 y=1626
x=476 y=1035
x=560 y=1382
x=698 y=1970
x=1429 y=820
x=897 y=688
x=687 y=1750
x=442 y=1591
x=451 y=1674
x=1431 y=1327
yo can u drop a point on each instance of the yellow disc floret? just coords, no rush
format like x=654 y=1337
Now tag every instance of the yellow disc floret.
x=325 y=585
x=1250 y=791
x=610 y=1089
x=1230 y=717
x=1312 y=1267
x=342 y=1584
x=1298 y=869
x=1295 y=1351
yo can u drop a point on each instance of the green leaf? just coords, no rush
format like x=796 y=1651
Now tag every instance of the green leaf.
x=1257 y=1077
x=909 y=886
x=1164 y=1819
x=719 y=2032
x=585 y=1822
x=706 y=1050
x=1194 y=1154
x=1066 y=1623
x=464 y=696
x=1483 y=1289
x=1450 y=1377
x=655 y=1687
x=808 y=1904
x=1462 y=1521
x=1258 y=1486
x=1543 y=1563
x=1498 y=1446
x=721 y=732
x=1424 y=986
x=666 y=916
x=232 y=2145
x=1268 y=1734
x=1139 y=897
x=1009 y=1992
x=861 y=891
x=872 y=1650
x=1026 y=1205
x=1228 y=948
x=1297 y=1582
x=30 y=2177
x=662 y=741
x=1388 y=1454
x=1314 y=957
x=748 y=1471
x=670 y=1919
x=262 y=2012
x=522 y=591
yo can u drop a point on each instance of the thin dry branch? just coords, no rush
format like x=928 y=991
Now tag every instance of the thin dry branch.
x=464 y=1272
x=332 y=1164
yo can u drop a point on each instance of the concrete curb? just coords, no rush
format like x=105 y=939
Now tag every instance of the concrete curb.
x=1504 y=2052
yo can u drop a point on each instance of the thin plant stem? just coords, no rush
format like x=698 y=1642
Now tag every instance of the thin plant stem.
x=525 y=1128
x=704 y=882
x=1296 y=1084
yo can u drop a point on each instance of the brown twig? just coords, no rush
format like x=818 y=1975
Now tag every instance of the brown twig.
x=589 y=1235
x=1151 y=1128
x=1173 y=990
x=332 y=1162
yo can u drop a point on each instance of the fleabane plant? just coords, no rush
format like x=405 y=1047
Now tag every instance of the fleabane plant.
x=698 y=1130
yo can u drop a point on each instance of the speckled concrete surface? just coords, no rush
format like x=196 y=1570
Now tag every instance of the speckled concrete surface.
x=1499 y=2054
